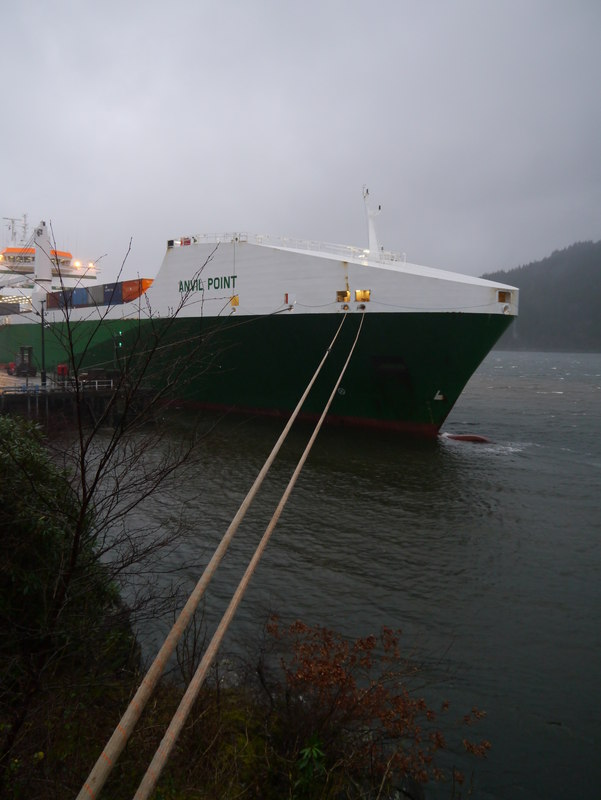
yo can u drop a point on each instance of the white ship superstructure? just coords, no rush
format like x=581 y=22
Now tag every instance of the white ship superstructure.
x=18 y=265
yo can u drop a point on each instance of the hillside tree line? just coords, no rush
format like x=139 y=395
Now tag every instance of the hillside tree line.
x=560 y=301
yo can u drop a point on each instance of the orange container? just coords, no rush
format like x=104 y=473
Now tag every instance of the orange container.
x=133 y=289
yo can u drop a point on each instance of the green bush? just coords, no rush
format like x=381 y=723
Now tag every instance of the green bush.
x=64 y=629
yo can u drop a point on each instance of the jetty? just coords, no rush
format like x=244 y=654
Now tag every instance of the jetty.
x=58 y=397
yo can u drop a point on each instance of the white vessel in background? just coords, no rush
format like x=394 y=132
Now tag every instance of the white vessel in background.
x=17 y=266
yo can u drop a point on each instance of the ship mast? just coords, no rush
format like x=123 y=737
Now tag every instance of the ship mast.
x=12 y=222
x=374 y=249
x=43 y=265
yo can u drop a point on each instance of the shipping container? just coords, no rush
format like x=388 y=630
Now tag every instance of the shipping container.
x=81 y=297
x=96 y=294
x=131 y=290
x=64 y=298
x=113 y=294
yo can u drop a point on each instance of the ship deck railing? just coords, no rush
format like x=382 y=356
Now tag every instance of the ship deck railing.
x=66 y=386
x=290 y=243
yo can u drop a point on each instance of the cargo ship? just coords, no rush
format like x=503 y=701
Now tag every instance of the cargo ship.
x=239 y=322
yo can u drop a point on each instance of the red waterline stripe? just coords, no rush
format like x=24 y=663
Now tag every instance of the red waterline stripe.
x=421 y=429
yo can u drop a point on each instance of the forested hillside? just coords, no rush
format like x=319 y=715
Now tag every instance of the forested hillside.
x=560 y=301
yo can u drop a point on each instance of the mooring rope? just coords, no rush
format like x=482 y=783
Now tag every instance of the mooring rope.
x=114 y=747
x=159 y=760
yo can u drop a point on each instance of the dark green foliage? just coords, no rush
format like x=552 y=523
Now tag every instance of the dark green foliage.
x=62 y=625
x=37 y=512
x=52 y=590
x=560 y=301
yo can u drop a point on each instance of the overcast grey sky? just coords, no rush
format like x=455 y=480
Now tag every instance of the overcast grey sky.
x=476 y=124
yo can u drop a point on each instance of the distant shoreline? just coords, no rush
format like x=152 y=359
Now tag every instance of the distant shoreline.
x=568 y=350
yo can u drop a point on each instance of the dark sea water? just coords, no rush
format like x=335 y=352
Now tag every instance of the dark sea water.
x=488 y=556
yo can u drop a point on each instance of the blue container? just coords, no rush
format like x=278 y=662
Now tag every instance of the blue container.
x=80 y=296
x=113 y=294
x=65 y=298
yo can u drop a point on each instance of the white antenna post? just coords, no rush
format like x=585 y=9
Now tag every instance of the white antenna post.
x=374 y=248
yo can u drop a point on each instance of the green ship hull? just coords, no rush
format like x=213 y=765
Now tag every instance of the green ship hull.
x=406 y=373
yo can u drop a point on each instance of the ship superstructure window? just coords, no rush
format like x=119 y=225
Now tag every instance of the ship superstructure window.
x=343 y=297
x=362 y=295
x=504 y=297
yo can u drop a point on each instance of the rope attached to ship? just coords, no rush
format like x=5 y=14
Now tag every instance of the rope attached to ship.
x=115 y=745
x=159 y=760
